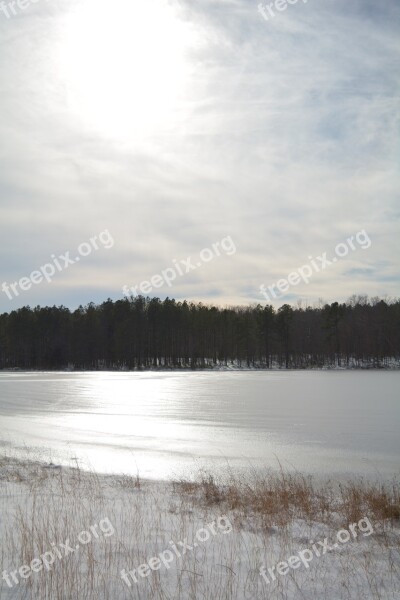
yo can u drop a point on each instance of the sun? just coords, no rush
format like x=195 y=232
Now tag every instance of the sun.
x=124 y=65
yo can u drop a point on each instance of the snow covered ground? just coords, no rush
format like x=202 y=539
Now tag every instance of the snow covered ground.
x=69 y=535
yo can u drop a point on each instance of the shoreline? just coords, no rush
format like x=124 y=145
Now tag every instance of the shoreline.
x=208 y=369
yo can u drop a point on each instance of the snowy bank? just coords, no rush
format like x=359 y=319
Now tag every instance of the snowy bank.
x=66 y=534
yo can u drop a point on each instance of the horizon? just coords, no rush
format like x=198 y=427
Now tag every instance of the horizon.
x=353 y=300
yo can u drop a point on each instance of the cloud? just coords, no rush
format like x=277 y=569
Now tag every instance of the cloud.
x=285 y=138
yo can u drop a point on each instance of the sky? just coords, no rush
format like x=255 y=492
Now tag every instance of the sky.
x=208 y=147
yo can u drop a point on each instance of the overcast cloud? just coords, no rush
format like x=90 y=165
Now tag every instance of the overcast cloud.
x=197 y=121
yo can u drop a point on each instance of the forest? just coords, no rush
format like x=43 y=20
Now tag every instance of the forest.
x=145 y=333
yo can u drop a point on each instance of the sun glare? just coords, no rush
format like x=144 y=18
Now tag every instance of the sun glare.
x=123 y=65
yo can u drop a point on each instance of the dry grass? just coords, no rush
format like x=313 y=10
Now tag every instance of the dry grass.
x=279 y=498
x=42 y=505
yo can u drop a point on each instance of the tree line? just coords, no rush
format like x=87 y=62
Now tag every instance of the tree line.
x=142 y=333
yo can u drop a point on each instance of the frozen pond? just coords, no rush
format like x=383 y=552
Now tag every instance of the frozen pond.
x=168 y=424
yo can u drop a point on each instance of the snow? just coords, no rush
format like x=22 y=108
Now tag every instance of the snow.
x=43 y=505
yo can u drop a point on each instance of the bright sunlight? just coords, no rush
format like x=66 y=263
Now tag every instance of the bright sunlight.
x=124 y=65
